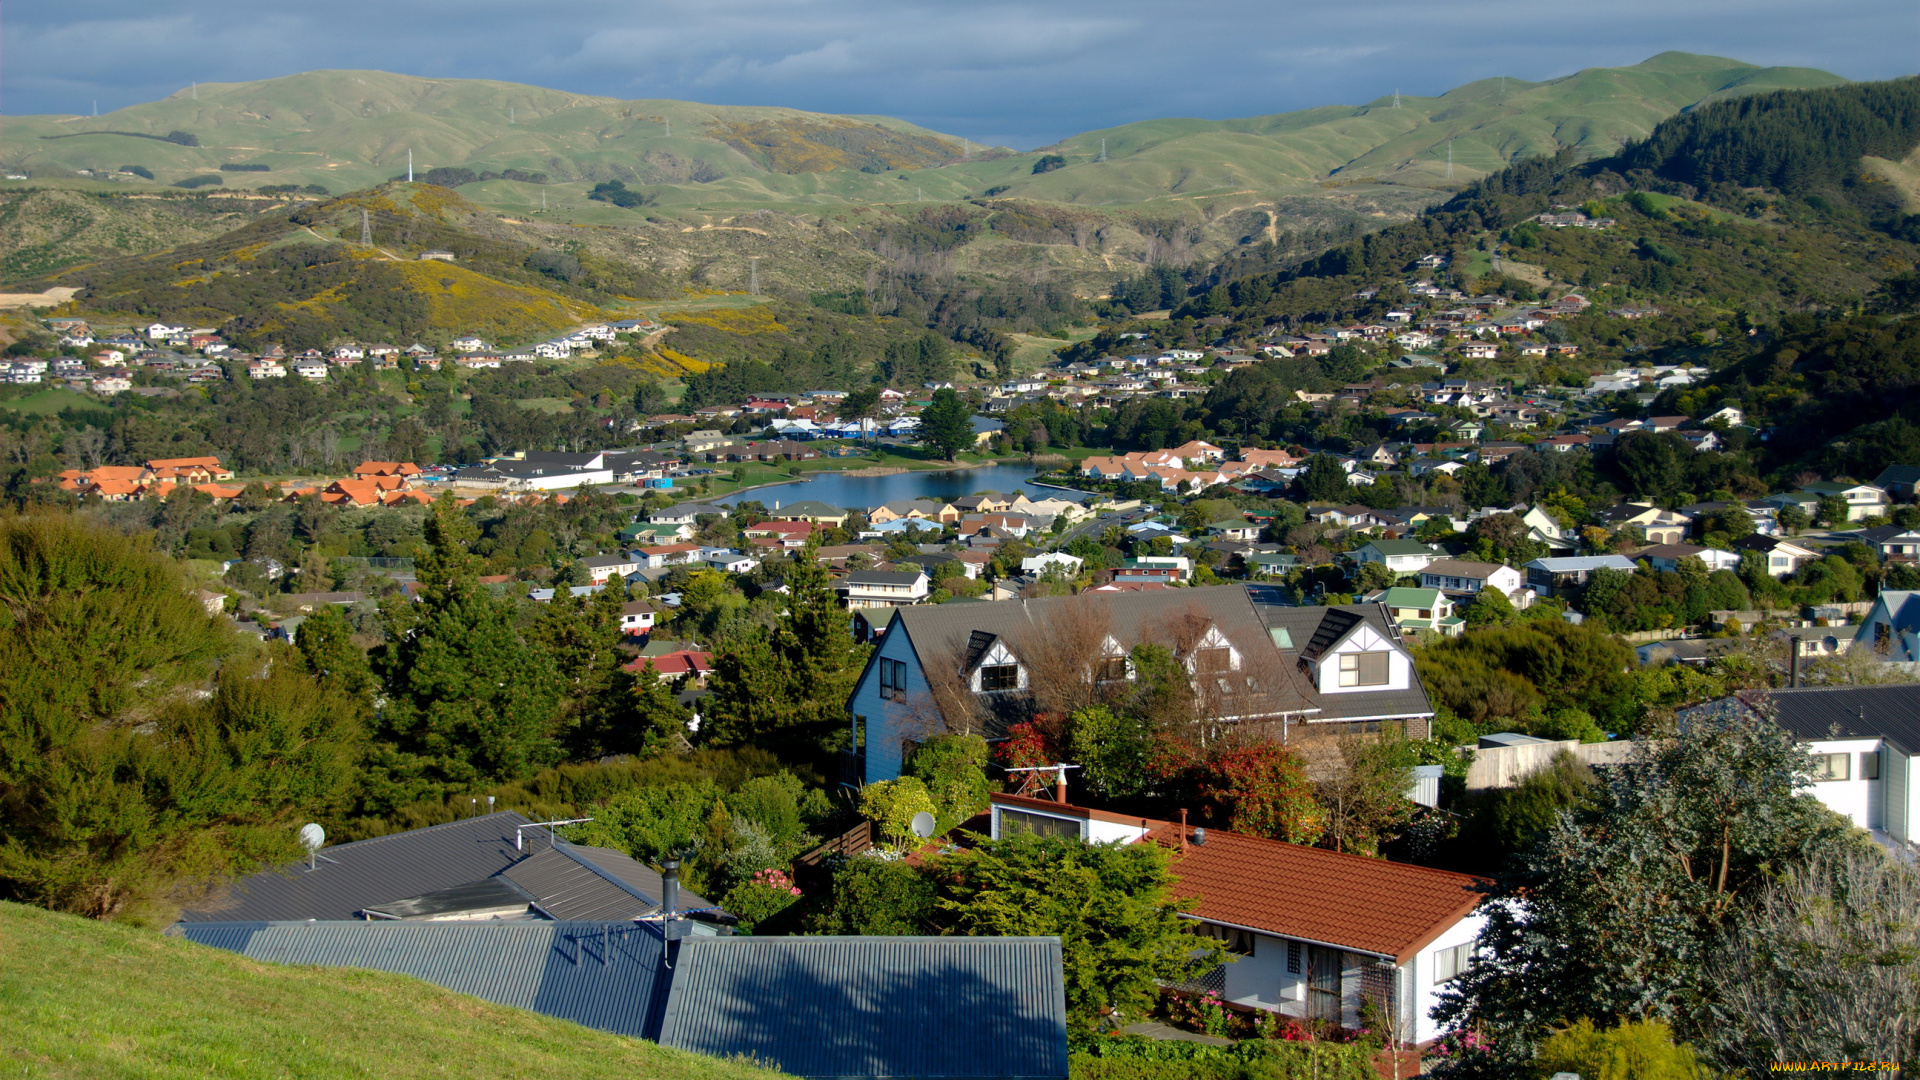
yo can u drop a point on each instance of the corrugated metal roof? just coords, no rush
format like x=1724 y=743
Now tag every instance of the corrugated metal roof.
x=587 y=883
x=869 y=1006
x=604 y=975
x=347 y=878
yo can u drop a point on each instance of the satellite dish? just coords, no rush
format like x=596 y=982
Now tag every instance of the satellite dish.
x=922 y=825
x=312 y=836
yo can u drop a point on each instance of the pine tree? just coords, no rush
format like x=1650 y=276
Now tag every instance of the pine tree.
x=947 y=424
x=786 y=687
x=469 y=699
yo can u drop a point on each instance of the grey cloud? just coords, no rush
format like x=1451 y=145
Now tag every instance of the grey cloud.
x=1022 y=73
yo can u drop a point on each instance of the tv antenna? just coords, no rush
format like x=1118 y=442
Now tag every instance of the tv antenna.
x=1036 y=783
x=1103 y=151
x=311 y=837
x=366 y=230
x=1396 y=98
x=409 y=166
x=520 y=840
x=922 y=825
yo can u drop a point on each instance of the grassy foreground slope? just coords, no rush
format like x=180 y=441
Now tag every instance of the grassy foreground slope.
x=89 y=999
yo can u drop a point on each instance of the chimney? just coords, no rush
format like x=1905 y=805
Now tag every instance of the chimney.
x=1060 y=786
x=1183 y=829
x=1793 y=661
x=669 y=886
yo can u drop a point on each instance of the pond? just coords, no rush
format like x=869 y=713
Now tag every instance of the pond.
x=835 y=489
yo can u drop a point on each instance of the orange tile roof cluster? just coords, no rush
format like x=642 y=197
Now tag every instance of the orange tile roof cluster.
x=220 y=491
x=386 y=468
x=1349 y=901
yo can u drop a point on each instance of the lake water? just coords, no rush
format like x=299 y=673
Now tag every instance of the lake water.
x=837 y=490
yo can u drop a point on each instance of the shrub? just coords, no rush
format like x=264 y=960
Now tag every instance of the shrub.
x=874 y=896
x=138 y=170
x=249 y=167
x=615 y=192
x=954 y=770
x=892 y=804
x=203 y=180
x=1133 y=1057
x=1048 y=163
x=1636 y=1050
x=756 y=901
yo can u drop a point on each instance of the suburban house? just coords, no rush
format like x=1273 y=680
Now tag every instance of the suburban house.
x=1898 y=481
x=1399 y=556
x=1863 y=500
x=636 y=618
x=1893 y=543
x=1417 y=610
x=1463 y=580
x=1863 y=740
x=883 y=588
x=1892 y=628
x=1312 y=932
x=538 y=471
x=1667 y=557
x=601 y=568
x=1302 y=672
x=670 y=555
x=1564 y=575
x=1655 y=525
x=1783 y=556
x=498 y=907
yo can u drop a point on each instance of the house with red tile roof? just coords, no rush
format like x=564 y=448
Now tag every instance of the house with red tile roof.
x=1313 y=932
x=676 y=666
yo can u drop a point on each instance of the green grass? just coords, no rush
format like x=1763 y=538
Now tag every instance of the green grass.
x=315 y=128
x=50 y=401
x=97 y=1000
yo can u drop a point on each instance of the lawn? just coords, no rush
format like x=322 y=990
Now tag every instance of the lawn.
x=51 y=400
x=88 y=999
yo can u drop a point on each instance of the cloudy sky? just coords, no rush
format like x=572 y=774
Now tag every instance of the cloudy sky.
x=1019 y=73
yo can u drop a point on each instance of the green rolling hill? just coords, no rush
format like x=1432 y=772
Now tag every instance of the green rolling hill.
x=351 y=129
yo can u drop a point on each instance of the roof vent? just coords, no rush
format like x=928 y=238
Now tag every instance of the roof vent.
x=1200 y=837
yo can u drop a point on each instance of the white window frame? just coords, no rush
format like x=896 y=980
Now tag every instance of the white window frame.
x=1350 y=676
x=1832 y=768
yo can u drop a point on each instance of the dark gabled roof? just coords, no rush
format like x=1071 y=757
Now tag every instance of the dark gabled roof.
x=861 y=1006
x=1818 y=712
x=1333 y=625
x=346 y=879
x=882 y=577
x=1898 y=474
x=574 y=882
x=979 y=642
x=604 y=975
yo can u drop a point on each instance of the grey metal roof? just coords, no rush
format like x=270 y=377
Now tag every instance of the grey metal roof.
x=573 y=882
x=1817 y=712
x=348 y=878
x=865 y=1006
x=604 y=975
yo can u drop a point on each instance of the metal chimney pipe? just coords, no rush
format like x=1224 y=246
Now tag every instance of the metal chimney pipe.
x=669 y=886
x=1793 y=661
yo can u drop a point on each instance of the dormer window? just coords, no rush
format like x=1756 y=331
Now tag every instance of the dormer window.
x=1111 y=669
x=1000 y=677
x=1212 y=661
x=1363 y=669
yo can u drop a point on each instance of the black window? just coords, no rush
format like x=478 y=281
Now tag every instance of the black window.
x=893 y=678
x=1294 y=962
x=1236 y=941
x=1212 y=661
x=1000 y=677
x=1111 y=669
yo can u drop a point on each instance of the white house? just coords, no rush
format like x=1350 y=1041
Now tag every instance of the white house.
x=636 y=618
x=1399 y=556
x=1863 y=500
x=1666 y=557
x=1546 y=576
x=1313 y=933
x=1463 y=579
x=1863 y=740
x=884 y=588
x=1040 y=564
x=601 y=568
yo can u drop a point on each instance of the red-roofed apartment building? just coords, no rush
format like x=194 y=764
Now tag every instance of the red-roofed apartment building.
x=1313 y=931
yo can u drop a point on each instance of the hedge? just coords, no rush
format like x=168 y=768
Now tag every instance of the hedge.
x=1133 y=1057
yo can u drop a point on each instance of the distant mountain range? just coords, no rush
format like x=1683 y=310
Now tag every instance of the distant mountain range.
x=346 y=130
